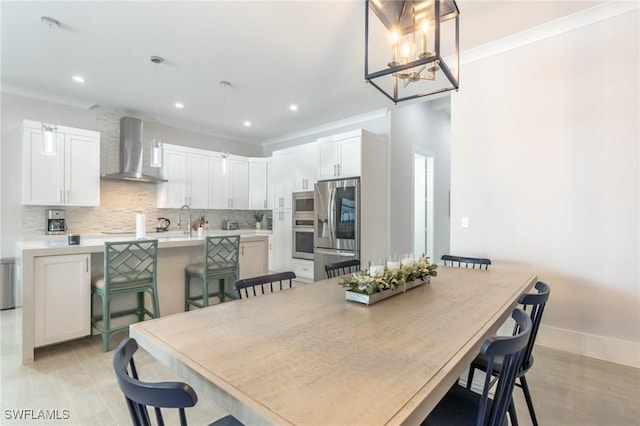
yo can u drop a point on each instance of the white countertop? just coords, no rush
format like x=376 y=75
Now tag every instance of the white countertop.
x=45 y=245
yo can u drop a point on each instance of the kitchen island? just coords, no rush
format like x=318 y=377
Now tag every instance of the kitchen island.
x=45 y=292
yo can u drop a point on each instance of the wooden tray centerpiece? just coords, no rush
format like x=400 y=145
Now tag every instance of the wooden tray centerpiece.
x=364 y=287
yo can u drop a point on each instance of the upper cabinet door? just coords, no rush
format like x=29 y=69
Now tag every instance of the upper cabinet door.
x=198 y=180
x=218 y=183
x=305 y=164
x=258 y=169
x=173 y=193
x=239 y=184
x=42 y=175
x=350 y=157
x=327 y=160
x=82 y=159
x=340 y=156
x=70 y=177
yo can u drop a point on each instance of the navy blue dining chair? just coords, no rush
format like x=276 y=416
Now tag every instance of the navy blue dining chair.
x=461 y=406
x=467 y=262
x=163 y=395
x=533 y=304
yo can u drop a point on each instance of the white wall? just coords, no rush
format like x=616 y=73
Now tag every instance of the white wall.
x=423 y=128
x=545 y=156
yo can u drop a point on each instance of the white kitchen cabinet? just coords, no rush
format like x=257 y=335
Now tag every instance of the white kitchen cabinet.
x=258 y=179
x=62 y=298
x=304 y=162
x=198 y=181
x=303 y=269
x=229 y=183
x=71 y=177
x=254 y=258
x=282 y=240
x=280 y=180
x=173 y=192
x=187 y=174
x=340 y=156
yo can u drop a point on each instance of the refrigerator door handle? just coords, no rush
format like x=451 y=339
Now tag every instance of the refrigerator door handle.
x=335 y=252
x=331 y=216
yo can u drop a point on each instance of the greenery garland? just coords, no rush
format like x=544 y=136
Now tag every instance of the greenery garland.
x=363 y=283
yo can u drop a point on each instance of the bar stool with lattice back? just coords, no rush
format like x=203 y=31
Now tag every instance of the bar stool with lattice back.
x=221 y=261
x=130 y=267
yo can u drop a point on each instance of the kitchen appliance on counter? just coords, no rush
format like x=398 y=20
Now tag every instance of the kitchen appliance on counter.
x=56 y=223
x=302 y=234
x=336 y=223
x=230 y=225
x=163 y=224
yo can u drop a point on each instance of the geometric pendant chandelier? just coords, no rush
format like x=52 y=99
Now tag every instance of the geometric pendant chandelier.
x=412 y=47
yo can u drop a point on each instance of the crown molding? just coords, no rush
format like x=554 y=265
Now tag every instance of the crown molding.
x=550 y=29
x=374 y=115
x=37 y=95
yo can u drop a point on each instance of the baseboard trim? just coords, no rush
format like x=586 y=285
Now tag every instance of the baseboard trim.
x=591 y=345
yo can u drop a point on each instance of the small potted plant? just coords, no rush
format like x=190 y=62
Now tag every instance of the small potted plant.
x=258 y=216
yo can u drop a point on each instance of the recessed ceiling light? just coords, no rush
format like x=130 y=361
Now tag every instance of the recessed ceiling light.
x=78 y=78
x=293 y=107
x=179 y=105
x=247 y=123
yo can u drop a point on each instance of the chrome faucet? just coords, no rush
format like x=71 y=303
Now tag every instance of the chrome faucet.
x=188 y=230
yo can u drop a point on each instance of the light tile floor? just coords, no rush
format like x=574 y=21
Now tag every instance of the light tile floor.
x=77 y=377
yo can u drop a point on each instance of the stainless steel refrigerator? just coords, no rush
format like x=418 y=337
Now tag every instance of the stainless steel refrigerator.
x=336 y=222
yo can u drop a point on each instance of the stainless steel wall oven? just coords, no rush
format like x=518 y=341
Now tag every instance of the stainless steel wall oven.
x=303 y=231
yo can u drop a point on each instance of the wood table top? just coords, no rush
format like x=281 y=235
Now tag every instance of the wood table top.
x=306 y=356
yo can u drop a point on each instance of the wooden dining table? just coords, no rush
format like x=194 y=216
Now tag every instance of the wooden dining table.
x=306 y=356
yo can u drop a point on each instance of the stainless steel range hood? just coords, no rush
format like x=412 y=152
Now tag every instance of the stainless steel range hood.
x=131 y=154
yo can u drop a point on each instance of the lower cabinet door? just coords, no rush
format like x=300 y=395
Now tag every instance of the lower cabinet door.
x=254 y=259
x=62 y=291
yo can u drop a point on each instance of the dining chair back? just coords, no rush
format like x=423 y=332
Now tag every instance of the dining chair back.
x=130 y=267
x=533 y=304
x=247 y=286
x=221 y=262
x=467 y=262
x=140 y=395
x=461 y=406
x=342 y=268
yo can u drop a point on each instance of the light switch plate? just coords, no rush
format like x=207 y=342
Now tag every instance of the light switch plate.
x=465 y=222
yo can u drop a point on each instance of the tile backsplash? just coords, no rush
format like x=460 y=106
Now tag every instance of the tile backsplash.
x=119 y=204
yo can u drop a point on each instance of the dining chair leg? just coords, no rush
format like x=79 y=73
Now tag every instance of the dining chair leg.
x=512 y=413
x=527 y=397
x=187 y=282
x=470 y=377
x=221 y=294
x=205 y=292
x=140 y=306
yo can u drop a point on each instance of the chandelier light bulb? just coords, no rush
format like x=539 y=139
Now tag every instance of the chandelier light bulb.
x=425 y=28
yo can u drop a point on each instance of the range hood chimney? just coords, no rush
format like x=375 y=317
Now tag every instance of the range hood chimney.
x=131 y=153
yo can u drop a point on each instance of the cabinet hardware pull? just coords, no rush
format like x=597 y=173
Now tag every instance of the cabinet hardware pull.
x=242 y=250
x=338 y=169
x=334 y=170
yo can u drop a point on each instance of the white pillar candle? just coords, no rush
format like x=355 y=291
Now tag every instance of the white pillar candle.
x=393 y=264
x=140 y=226
x=407 y=261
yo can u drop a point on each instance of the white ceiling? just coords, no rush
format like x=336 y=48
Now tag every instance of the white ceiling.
x=274 y=53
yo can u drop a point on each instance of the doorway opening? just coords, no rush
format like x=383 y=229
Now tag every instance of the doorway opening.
x=423 y=219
